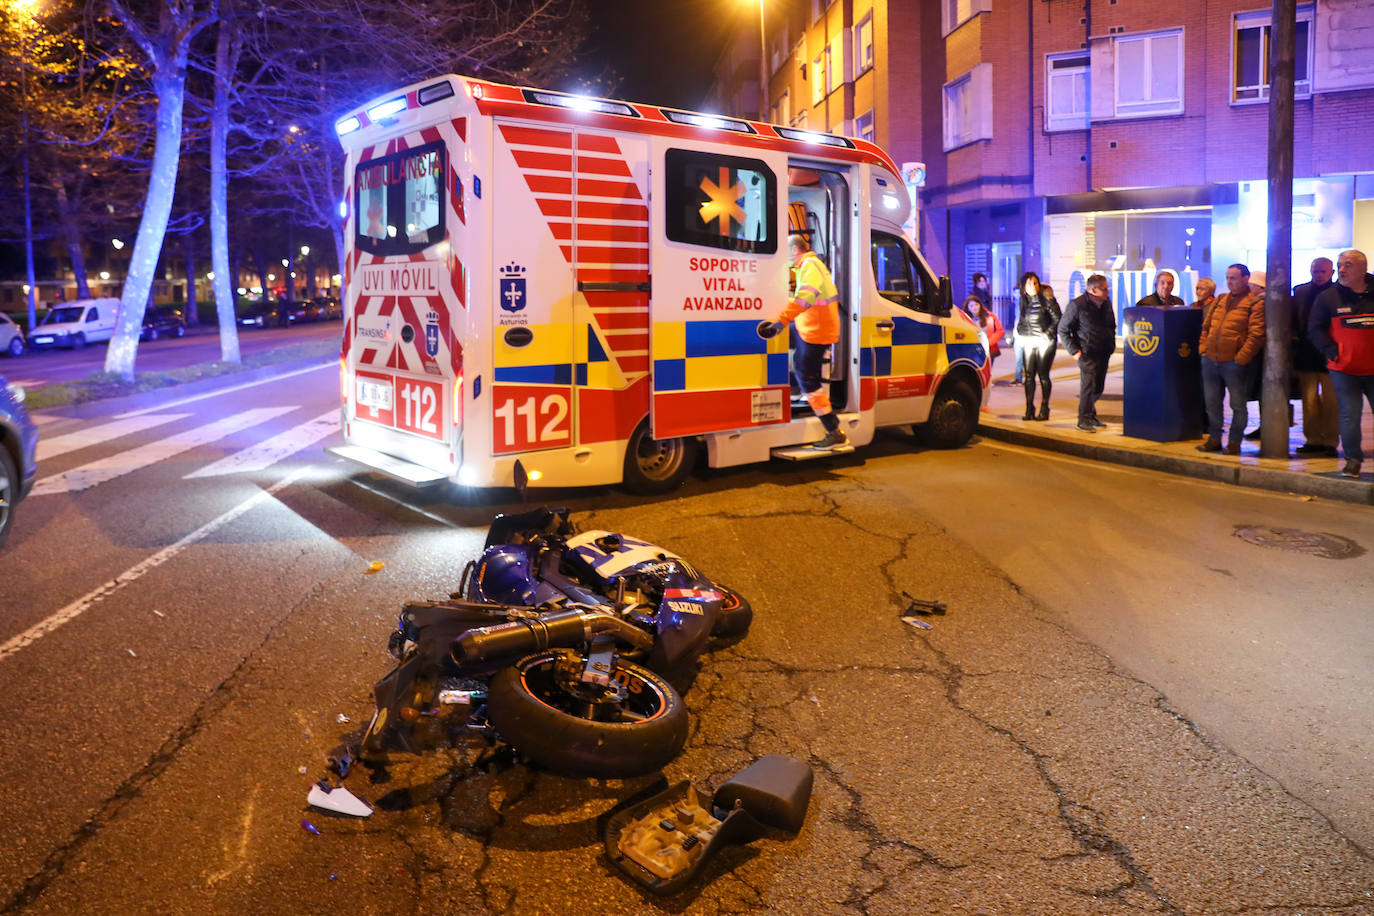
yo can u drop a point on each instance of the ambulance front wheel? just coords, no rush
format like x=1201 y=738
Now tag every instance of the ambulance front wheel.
x=657 y=465
x=953 y=416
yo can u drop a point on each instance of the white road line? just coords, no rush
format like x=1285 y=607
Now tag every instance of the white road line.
x=94 y=435
x=85 y=602
x=269 y=452
x=219 y=391
x=88 y=475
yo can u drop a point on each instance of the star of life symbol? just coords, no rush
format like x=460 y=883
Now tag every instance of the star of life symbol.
x=512 y=295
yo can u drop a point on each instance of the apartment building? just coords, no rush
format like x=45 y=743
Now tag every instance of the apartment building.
x=1072 y=136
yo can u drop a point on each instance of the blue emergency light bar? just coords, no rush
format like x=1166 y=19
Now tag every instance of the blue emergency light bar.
x=347 y=126
x=387 y=109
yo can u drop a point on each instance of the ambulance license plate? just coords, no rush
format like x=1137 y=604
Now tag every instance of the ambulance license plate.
x=374 y=394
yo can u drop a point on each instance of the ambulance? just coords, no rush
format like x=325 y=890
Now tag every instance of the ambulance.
x=553 y=290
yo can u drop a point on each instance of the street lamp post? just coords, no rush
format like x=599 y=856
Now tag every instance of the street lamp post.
x=23 y=10
x=763 y=67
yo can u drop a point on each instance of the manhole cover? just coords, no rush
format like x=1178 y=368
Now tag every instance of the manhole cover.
x=1316 y=543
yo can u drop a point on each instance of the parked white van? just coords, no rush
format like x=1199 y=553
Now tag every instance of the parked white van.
x=76 y=324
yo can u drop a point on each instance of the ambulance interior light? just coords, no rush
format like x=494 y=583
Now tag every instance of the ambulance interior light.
x=387 y=109
x=347 y=126
x=712 y=121
x=806 y=136
x=579 y=103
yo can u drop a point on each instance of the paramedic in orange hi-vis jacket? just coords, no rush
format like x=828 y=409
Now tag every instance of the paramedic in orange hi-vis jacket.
x=815 y=309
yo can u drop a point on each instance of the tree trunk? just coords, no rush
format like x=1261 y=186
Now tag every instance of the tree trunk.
x=226 y=280
x=71 y=237
x=169 y=84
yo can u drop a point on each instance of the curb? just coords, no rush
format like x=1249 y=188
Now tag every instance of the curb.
x=1302 y=484
x=104 y=406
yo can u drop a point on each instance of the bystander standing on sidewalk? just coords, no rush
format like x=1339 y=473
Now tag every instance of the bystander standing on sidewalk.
x=1088 y=332
x=986 y=319
x=1232 y=335
x=1163 y=297
x=1342 y=327
x=1320 y=412
x=1037 y=330
x=1205 y=293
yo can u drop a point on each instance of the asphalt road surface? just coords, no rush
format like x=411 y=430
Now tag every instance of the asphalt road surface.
x=200 y=345
x=1126 y=707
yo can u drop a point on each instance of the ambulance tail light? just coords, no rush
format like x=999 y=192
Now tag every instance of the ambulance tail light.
x=343 y=379
x=458 y=401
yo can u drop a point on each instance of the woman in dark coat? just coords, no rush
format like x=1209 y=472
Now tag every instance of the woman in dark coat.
x=1037 y=326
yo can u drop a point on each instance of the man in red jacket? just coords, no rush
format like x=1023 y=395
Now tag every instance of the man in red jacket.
x=1341 y=326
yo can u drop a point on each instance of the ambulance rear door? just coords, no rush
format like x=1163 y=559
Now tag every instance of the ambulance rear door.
x=719 y=259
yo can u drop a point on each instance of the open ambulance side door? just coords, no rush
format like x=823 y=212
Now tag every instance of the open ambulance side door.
x=718 y=251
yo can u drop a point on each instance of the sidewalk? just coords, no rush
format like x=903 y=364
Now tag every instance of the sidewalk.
x=1001 y=420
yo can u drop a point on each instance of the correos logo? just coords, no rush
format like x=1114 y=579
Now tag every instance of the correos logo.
x=1143 y=340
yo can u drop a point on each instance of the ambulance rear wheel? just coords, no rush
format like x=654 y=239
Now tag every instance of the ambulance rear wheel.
x=657 y=465
x=953 y=416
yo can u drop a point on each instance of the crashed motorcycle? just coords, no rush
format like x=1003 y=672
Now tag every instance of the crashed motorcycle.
x=564 y=644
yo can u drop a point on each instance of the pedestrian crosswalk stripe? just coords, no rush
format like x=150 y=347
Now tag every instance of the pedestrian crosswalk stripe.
x=88 y=475
x=269 y=452
x=94 y=435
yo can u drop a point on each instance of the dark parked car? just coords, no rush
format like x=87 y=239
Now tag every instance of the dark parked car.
x=18 y=453
x=163 y=321
x=324 y=308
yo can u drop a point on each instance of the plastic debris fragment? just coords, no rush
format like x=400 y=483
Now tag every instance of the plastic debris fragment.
x=309 y=827
x=342 y=719
x=916 y=622
x=375 y=566
x=158 y=613
x=337 y=799
x=921 y=606
x=303 y=769
x=132 y=653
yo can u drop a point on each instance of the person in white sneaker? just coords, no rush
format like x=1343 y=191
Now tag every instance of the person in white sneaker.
x=815 y=308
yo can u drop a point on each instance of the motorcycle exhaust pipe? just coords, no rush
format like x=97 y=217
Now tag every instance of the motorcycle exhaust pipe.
x=562 y=629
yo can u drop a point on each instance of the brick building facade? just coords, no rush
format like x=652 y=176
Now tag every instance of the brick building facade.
x=1066 y=136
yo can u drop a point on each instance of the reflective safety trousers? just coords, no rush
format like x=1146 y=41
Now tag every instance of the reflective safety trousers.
x=815 y=306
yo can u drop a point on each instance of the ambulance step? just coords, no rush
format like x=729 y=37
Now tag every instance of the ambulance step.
x=807 y=453
x=404 y=471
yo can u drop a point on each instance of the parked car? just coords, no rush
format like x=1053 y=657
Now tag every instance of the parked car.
x=18 y=453
x=259 y=315
x=11 y=337
x=324 y=308
x=163 y=321
x=76 y=324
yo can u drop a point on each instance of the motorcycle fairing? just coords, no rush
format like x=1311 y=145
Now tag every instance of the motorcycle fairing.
x=610 y=555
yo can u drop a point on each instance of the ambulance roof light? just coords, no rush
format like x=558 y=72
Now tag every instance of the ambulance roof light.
x=434 y=92
x=347 y=126
x=712 y=121
x=387 y=109
x=806 y=136
x=579 y=103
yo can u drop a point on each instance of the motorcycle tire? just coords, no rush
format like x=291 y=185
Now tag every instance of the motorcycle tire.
x=549 y=726
x=735 y=615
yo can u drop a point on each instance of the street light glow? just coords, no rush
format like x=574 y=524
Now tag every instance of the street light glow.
x=305 y=250
x=117 y=244
x=285 y=263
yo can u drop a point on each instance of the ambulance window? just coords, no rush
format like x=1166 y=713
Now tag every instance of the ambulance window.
x=721 y=201
x=400 y=201
x=895 y=271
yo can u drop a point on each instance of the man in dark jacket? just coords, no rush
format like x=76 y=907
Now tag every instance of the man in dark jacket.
x=1088 y=332
x=1163 y=297
x=1342 y=327
x=1319 y=408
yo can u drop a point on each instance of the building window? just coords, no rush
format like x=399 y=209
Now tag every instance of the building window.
x=1149 y=74
x=954 y=13
x=863 y=45
x=1066 y=91
x=782 y=111
x=817 y=7
x=863 y=126
x=968 y=107
x=1251 y=55
x=818 y=76
x=834 y=63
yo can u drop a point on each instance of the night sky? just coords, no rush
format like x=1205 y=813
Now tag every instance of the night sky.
x=661 y=51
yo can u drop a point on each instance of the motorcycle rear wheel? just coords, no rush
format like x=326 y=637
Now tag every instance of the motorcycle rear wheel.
x=534 y=712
